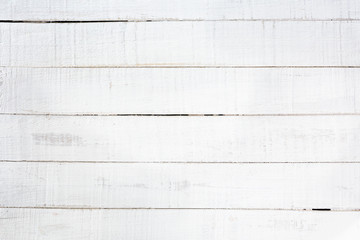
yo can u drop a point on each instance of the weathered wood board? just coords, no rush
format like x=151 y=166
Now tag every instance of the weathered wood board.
x=181 y=139
x=59 y=224
x=165 y=185
x=179 y=90
x=208 y=43
x=164 y=10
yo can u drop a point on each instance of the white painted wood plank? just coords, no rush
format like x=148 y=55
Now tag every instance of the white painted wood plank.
x=177 y=9
x=181 y=185
x=180 y=44
x=184 y=139
x=41 y=224
x=178 y=90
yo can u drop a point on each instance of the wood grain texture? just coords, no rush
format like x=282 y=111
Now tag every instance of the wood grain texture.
x=249 y=186
x=290 y=66
x=40 y=224
x=180 y=44
x=184 y=139
x=179 y=90
x=177 y=9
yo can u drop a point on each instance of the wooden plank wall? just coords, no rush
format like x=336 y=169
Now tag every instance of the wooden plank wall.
x=184 y=119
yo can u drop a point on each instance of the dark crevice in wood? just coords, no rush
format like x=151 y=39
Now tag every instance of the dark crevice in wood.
x=204 y=209
x=183 y=20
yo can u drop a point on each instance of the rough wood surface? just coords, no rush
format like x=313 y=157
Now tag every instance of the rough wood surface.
x=45 y=224
x=179 y=90
x=181 y=139
x=208 y=43
x=165 y=185
x=181 y=119
x=88 y=10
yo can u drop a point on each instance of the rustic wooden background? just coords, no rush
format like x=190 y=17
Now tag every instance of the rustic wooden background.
x=179 y=119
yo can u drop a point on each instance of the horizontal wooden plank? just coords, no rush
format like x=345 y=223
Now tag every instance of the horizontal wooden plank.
x=184 y=139
x=171 y=185
x=41 y=224
x=179 y=90
x=180 y=44
x=177 y=9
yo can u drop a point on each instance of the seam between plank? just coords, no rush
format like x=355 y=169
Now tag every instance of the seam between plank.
x=183 y=66
x=149 y=208
x=185 y=20
x=177 y=114
x=169 y=162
